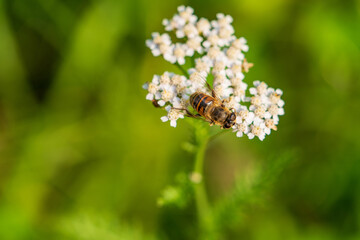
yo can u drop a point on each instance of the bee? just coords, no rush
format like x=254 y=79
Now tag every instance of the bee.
x=212 y=109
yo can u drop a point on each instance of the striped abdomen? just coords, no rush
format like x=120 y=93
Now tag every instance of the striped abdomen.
x=200 y=101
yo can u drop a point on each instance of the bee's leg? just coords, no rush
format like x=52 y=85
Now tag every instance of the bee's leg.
x=197 y=116
x=188 y=113
x=212 y=123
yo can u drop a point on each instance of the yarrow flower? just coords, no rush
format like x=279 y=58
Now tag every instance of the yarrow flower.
x=217 y=54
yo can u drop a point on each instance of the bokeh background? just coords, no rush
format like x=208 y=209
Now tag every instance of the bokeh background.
x=83 y=155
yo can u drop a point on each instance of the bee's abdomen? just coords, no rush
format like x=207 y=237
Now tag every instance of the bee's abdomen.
x=200 y=101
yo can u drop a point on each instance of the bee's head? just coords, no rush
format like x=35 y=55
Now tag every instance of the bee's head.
x=230 y=121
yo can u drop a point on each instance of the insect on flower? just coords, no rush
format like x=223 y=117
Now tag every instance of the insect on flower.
x=214 y=51
x=212 y=109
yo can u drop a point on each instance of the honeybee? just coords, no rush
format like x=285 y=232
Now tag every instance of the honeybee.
x=212 y=109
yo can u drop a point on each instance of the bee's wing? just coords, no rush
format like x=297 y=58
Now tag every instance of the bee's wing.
x=213 y=93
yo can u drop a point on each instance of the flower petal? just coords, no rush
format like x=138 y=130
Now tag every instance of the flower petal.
x=173 y=123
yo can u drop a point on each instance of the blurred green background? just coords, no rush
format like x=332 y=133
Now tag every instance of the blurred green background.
x=83 y=155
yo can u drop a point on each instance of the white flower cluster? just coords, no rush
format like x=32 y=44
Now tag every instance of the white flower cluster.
x=263 y=114
x=215 y=54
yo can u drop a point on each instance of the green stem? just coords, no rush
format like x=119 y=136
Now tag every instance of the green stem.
x=200 y=192
x=202 y=204
x=182 y=69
